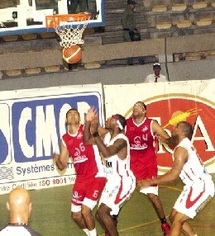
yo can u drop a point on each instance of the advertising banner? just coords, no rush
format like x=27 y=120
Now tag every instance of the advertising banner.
x=31 y=125
x=169 y=103
x=32 y=122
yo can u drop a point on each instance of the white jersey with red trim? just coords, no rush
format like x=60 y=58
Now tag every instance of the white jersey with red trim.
x=120 y=179
x=199 y=186
x=193 y=170
x=114 y=165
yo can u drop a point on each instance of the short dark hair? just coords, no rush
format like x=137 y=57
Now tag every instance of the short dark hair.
x=144 y=105
x=186 y=128
x=131 y=2
x=72 y=109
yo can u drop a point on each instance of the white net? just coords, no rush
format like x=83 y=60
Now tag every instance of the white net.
x=71 y=34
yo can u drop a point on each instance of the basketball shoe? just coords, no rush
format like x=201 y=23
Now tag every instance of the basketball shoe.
x=165 y=228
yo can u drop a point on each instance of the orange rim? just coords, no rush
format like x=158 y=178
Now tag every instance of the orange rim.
x=53 y=21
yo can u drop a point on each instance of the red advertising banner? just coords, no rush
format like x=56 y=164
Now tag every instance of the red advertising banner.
x=169 y=103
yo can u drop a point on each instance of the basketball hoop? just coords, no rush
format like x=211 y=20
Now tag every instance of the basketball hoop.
x=71 y=34
x=69 y=27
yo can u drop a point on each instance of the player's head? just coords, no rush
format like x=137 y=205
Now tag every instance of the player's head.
x=72 y=116
x=183 y=129
x=116 y=121
x=140 y=104
x=139 y=109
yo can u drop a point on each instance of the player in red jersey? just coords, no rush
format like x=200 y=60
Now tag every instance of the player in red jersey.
x=90 y=176
x=141 y=132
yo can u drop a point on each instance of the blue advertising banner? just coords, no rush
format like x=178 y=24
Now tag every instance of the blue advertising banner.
x=30 y=131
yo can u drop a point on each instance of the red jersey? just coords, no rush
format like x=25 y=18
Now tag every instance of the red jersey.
x=86 y=158
x=142 y=148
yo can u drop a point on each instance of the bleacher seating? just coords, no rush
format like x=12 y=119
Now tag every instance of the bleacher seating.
x=155 y=19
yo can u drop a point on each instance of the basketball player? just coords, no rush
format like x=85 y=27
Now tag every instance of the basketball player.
x=90 y=176
x=199 y=186
x=114 y=147
x=141 y=132
x=20 y=206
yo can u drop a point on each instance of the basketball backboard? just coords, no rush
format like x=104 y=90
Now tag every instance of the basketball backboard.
x=29 y=16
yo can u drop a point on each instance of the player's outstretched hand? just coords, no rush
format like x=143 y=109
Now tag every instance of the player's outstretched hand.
x=91 y=114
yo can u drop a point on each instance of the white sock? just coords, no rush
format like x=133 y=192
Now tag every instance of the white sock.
x=92 y=232
x=86 y=231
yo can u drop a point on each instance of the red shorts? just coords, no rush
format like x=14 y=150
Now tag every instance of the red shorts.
x=90 y=189
x=143 y=166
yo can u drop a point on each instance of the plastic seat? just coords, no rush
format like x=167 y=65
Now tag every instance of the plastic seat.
x=159 y=8
x=179 y=7
x=184 y=24
x=199 y=5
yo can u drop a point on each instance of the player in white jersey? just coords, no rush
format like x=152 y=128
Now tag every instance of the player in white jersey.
x=115 y=149
x=118 y=175
x=198 y=184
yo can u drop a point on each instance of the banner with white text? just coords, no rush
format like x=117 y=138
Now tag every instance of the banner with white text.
x=33 y=120
x=31 y=125
x=168 y=103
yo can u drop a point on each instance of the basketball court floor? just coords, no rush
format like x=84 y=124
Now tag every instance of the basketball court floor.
x=51 y=213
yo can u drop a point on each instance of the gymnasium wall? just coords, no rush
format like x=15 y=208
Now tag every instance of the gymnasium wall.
x=33 y=120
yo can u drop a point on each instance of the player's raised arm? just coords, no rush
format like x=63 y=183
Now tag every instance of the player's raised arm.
x=61 y=159
x=91 y=126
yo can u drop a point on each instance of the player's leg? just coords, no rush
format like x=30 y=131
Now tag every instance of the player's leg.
x=104 y=217
x=76 y=204
x=152 y=193
x=156 y=202
x=94 y=188
x=119 y=186
x=88 y=217
x=77 y=217
x=180 y=224
x=104 y=212
x=185 y=228
x=186 y=208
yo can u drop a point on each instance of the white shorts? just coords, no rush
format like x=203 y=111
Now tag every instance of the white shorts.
x=194 y=198
x=150 y=189
x=117 y=190
x=87 y=202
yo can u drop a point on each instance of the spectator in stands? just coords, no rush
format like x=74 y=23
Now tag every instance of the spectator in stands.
x=20 y=206
x=130 y=32
x=156 y=76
